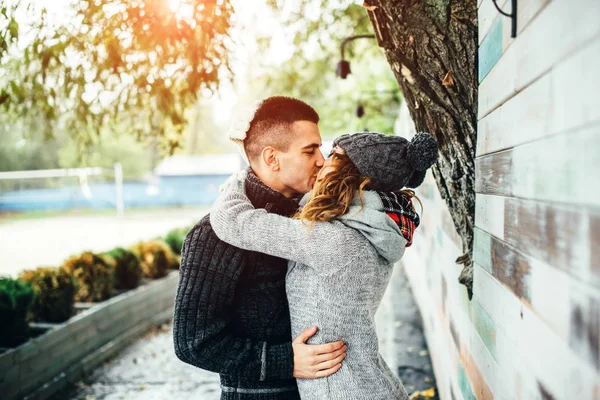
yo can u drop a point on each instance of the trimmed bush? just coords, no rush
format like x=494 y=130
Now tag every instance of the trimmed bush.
x=94 y=276
x=175 y=239
x=174 y=261
x=155 y=258
x=54 y=290
x=127 y=268
x=15 y=299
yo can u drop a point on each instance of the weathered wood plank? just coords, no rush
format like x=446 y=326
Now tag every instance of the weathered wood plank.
x=549 y=106
x=570 y=307
x=489 y=214
x=492 y=173
x=523 y=119
x=562 y=169
x=559 y=235
x=52 y=361
x=509 y=267
x=533 y=54
x=556 y=234
x=523 y=338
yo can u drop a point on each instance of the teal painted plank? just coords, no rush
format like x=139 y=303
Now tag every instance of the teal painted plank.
x=465 y=384
x=490 y=49
x=482 y=246
x=484 y=325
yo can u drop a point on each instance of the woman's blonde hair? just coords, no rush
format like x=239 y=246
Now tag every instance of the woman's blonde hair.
x=333 y=195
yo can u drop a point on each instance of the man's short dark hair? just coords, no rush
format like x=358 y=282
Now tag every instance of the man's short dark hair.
x=272 y=124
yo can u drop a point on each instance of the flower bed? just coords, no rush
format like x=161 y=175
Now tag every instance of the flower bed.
x=66 y=352
x=55 y=354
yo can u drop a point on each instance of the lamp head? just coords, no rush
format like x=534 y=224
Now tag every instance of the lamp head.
x=343 y=69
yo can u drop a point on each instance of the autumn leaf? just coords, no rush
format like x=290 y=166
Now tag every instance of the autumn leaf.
x=448 y=80
x=369 y=7
x=425 y=394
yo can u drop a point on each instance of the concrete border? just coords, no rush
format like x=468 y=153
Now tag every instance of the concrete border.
x=45 y=364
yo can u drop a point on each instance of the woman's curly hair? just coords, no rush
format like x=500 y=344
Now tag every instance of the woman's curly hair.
x=335 y=191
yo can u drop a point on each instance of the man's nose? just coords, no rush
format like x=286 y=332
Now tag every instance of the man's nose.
x=320 y=160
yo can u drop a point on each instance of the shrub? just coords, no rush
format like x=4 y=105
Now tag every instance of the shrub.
x=54 y=290
x=127 y=268
x=174 y=261
x=175 y=239
x=155 y=258
x=15 y=298
x=94 y=276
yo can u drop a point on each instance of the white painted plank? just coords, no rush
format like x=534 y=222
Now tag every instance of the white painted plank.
x=561 y=28
x=565 y=98
x=489 y=214
x=526 y=12
x=522 y=119
x=563 y=168
x=576 y=86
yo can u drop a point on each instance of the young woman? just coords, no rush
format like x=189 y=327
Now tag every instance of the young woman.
x=353 y=227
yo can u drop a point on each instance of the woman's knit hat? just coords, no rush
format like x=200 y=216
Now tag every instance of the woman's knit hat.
x=392 y=162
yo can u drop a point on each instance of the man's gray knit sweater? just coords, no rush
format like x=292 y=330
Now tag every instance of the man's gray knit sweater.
x=231 y=312
x=336 y=278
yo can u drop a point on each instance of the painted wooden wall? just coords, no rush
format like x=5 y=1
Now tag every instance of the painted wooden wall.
x=532 y=330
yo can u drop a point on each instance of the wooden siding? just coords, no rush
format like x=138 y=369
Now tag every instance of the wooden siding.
x=532 y=329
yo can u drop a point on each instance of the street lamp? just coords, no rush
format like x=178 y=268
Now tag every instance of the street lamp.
x=343 y=67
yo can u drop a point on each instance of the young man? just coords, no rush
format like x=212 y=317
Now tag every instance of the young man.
x=231 y=311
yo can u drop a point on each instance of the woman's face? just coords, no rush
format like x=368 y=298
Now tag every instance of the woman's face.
x=327 y=165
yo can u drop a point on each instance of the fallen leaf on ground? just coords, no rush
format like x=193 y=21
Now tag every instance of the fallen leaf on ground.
x=425 y=394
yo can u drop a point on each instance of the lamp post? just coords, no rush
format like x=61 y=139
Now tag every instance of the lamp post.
x=343 y=67
x=512 y=16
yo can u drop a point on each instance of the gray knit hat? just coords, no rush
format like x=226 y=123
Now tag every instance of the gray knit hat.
x=392 y=162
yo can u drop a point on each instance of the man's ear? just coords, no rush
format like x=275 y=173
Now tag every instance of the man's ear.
x=269 y=158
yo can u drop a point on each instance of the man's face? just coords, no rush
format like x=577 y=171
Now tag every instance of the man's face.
x=300 y=165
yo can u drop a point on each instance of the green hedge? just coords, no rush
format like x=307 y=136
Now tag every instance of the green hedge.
x=15 y=299
x=127 y=268
x=94 y=276
x=54 y=290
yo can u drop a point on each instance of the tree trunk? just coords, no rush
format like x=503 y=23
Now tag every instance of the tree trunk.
x=431 y=46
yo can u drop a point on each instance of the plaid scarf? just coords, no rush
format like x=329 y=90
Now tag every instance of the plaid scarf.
x=400 y=208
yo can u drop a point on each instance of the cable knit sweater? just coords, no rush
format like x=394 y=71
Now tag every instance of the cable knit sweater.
x=231 y=311
x=336 y=278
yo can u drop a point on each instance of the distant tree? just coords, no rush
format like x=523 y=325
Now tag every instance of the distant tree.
x=317 y=28
x=143 y=61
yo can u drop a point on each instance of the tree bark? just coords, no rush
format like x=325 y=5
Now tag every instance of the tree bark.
x=431 y=46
